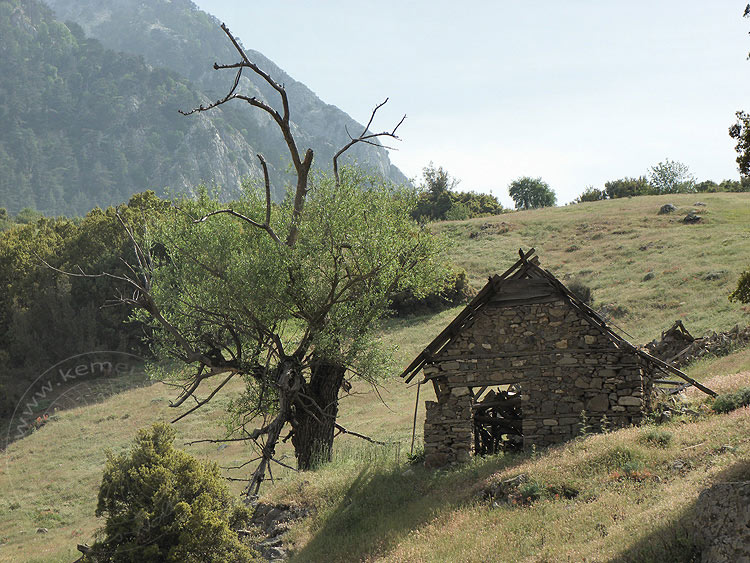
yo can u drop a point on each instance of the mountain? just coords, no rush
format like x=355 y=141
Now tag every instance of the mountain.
x=88 y=108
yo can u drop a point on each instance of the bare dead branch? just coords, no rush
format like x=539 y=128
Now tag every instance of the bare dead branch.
x=343 y=430
x=282 y=464
x=267 y=182
x=366 y=138
x=265 y=226
x=240 y=466
x=207 y=399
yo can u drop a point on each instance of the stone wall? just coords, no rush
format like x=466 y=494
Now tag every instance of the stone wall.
x=562 y=364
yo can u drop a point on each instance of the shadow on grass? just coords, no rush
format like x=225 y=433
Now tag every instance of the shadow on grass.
x=384 y=504
x=674 y=541
x=84 y=380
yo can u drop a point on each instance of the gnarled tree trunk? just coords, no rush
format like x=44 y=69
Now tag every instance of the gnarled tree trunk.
x=315 y=414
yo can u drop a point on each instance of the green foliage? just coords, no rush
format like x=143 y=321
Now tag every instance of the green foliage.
x=5 y=221
x=742 y=292
x=743 y=185
x=709 y=186
x=671 y=177
x=727 y=402
x=438 y=200
x=740 y=132
x=162 y=504
x=531 y=193
x=657 y=437
x=27 y=216
x=591 y=194
x=529 y=492
x=627 y=187
x=357 y=246
x=416 y=458
x=37 y=298
x=455 y=290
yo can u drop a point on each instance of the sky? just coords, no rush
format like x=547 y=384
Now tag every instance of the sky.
x=577 y=92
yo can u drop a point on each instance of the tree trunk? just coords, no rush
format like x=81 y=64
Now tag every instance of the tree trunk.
x=315 y=415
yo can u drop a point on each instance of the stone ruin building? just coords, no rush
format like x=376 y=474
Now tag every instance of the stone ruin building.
x=519 y=365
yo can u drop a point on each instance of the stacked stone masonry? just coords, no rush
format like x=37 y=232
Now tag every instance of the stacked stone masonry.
x=561 y=362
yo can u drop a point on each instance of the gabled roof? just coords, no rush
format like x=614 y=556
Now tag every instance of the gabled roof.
x=527 y=266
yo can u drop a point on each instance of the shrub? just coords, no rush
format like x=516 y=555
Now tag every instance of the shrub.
x=455 y=291
x=162 y=504
x=530 y=492
x=591 y=194
x=657 y=437
x=632 y=470
x=416 y=458
x=627 y=187
x=742 y=293
x=727 y=402
x=582 y=291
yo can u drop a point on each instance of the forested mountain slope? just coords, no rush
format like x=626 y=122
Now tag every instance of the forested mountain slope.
x=82 y=125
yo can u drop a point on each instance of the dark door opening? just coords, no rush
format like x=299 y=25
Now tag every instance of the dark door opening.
x=497 y=419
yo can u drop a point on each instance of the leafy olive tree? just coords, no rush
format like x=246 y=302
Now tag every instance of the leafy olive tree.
x=531 y=193
x=285 y=296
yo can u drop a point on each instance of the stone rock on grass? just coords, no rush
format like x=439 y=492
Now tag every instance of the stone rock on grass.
x=667 y=208
x=499 y=492
x=691 y=218
x=717 y=275
x=273 y=520
x=722 y=522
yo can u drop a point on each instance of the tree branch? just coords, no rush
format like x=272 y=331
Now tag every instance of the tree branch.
x=343 y=430
x=364 y=137
x=265 y=226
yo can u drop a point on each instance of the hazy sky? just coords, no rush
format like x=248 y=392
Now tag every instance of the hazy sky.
x=577 y=92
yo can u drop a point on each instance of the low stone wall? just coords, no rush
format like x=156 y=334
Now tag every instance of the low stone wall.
x=448 y=429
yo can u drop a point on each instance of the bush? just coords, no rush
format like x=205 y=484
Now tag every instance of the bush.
x=727 y=402
x=656 y=437
x=627 y=187
x=455 y=291
x=439 y=201
x=416 y=458
x=162 y=504
x=591 y=194
x=582 y=291
x=742 y=293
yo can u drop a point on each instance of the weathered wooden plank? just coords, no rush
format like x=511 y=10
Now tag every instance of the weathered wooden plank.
x=522 y=354
x=500 y=301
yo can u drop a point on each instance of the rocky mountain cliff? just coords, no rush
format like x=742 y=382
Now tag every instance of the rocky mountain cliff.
x=87 y=122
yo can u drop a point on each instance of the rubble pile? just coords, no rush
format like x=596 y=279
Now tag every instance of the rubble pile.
x=678 y=347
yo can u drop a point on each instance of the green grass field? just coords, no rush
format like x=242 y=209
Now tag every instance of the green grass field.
x=371 y=505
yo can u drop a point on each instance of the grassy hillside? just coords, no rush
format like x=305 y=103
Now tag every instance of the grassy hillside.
x=612 y=245
x=370 y=504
